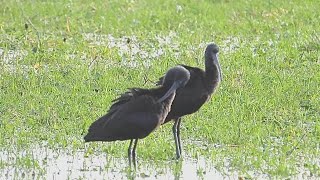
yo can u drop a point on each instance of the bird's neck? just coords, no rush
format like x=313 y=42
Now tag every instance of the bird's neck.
x=213 y=75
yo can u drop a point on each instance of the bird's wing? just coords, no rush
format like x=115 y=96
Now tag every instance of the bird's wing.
x=187 y=67
x=97 y=127
x=126 y=97
x=131 y=125
x=160 y=81
x=133 y=119
x=192 y=70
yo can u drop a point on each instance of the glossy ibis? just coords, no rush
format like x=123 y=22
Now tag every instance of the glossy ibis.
x=196 y=92
x=138 y=112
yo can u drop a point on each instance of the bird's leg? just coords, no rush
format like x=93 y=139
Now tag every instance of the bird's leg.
x=178 y=135
x=175 y=128
x=130 y=152
x=134 y=153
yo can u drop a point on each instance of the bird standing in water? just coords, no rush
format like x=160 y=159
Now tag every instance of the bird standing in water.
x=196 y=92
x=138 y=112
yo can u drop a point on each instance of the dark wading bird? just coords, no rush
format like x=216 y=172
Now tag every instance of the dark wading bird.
x=195 y=93
x=138 y=112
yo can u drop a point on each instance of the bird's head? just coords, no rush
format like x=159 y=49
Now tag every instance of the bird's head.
x=175 y=78
x=176 y=75
x=211 y=52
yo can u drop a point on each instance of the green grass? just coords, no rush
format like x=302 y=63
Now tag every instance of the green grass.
x=60 y=69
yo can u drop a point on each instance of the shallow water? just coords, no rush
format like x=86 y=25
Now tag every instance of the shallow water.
x=46 y=163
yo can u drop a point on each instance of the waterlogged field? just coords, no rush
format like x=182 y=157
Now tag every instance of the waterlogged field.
x=62 y=62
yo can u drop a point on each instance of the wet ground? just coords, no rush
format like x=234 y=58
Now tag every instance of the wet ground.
x=46 y=163
x=42 y=162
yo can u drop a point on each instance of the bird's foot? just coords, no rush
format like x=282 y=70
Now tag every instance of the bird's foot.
x=177 y=158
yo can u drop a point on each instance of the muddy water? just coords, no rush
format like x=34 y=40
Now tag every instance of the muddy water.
x=45 y=163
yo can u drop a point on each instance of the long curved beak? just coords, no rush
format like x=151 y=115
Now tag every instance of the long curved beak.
x=173 y=89
x=220 y=72
x=216 y=59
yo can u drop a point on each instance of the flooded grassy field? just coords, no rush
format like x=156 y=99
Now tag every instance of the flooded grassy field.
x=45 y=163
x=63 y=62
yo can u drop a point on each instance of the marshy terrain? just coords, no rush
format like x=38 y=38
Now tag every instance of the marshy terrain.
x=63 y=62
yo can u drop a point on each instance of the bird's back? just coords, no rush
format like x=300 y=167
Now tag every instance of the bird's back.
x=135 y=114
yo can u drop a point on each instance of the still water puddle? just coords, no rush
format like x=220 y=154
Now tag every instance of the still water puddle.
x=46 y=163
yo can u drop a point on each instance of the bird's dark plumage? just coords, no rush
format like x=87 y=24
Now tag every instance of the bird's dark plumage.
x=138 y=112
x=196 y=92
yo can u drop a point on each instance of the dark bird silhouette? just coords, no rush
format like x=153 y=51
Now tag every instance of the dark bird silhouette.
x=196 y=92
x=138 y=112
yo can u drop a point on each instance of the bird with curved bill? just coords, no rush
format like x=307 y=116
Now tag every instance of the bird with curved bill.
x=196 y=92
x=138 y=112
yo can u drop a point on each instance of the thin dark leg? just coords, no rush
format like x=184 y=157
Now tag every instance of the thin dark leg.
x=178 y=135
x=134 y=153
x=175 y=129
x=130 y=152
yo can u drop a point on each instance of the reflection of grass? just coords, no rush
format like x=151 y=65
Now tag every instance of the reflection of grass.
x=54 y=80
x=23 y=165
x=27 y=162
